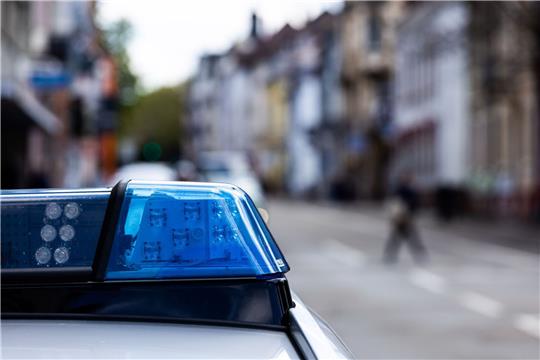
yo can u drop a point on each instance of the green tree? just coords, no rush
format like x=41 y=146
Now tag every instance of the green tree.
x=156 y=119
x=116 y=36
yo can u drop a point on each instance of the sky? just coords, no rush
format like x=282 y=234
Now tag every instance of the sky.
x=169 y=36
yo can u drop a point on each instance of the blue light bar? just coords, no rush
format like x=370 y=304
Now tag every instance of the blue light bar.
x=191 y=230
x=163 y=230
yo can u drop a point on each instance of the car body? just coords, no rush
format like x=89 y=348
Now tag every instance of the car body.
x=98 y=339
x=213 y=287
x=231 y=167
x=112 y=339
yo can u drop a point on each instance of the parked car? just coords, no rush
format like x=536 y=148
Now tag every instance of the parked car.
x=232 y=168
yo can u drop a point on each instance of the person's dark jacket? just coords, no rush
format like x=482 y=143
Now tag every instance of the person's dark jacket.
x=410 y=198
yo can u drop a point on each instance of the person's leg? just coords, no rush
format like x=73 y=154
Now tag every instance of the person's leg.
x=416 y=245
x=392 y=245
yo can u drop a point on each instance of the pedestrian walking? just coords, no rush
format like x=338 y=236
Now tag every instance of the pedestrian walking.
x=403 y=209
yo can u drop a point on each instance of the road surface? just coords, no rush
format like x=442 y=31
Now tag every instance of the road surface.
x=473 y=300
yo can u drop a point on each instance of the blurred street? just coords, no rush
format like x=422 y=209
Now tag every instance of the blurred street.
x=474 y=299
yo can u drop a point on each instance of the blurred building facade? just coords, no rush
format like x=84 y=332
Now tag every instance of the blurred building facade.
x=317 y=108
x=343 y=105
x=58 y=96
x=505 y=160
x=369 y=32
x=28 y=127
x=466 y=118
x=269 y=97
x=432 y=112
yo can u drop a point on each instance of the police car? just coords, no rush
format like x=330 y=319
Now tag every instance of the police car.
x=149 y=270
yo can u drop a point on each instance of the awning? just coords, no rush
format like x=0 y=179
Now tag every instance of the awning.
x=31 y=106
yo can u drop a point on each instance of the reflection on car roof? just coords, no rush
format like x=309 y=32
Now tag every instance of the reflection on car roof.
x=105 y=339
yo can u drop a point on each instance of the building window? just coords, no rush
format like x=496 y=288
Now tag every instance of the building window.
x=374 y=30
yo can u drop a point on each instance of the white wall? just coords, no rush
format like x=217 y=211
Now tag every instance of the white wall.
x=305 y=162
x=452 y=103
x=446 y=77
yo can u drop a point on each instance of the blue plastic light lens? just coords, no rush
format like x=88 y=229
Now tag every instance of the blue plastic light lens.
x=191 y=230
x=164 y=230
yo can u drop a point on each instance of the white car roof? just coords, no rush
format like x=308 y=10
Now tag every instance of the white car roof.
x=61 y=339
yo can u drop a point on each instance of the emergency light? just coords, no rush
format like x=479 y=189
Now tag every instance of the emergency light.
x=139 y=231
